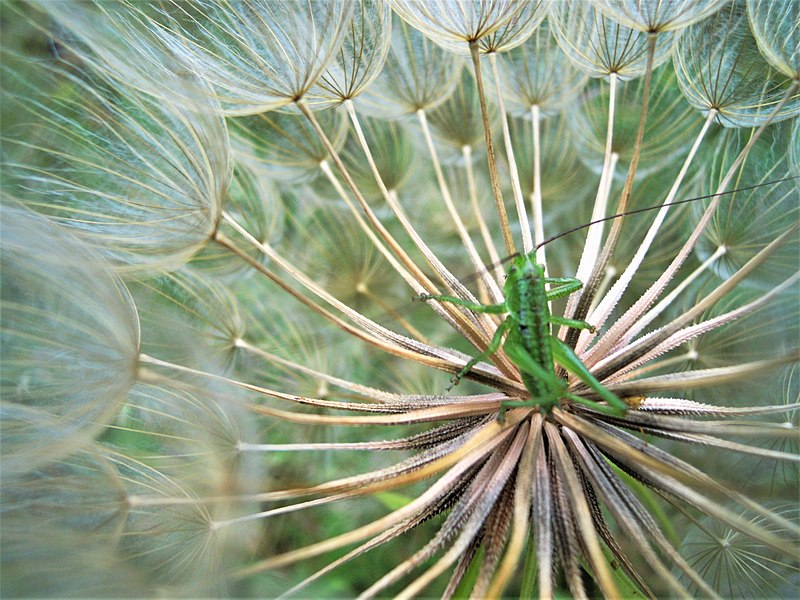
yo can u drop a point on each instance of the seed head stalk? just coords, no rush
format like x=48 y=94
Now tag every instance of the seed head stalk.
x=494 y=177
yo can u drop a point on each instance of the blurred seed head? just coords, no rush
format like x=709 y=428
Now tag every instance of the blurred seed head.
x=254 y=56
x=601 y=46
x=668 y=133
x=70 y=342
x=456 y=122
x=738 y=566
x=538 y=73
x=772 y=207
x=141 y=180
x=417 y=75
x=654 y=16
x=284 y=146
x=453 y=24
x=719 y=67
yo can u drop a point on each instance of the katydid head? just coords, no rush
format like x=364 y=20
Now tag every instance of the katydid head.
x=522 y=262
x=523 y=268
x=525 y=263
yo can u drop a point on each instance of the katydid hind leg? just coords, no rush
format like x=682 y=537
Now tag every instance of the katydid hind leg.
x=549 y=387
x=602 y=408
x=494 y=344
x=522 y=359
x=567 y=358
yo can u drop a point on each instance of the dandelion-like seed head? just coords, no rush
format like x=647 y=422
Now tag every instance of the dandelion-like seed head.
x=246 y=242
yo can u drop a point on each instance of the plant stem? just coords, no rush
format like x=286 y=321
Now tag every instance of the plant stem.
x=407 y=277
x=536 y=194
x=493 y=175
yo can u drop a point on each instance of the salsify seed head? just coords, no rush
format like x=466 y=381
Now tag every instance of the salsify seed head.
x=246 y=243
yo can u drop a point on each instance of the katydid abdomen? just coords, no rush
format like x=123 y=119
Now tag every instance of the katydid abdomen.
x=527 y=304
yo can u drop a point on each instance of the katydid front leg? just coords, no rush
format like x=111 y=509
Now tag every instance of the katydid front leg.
x=494 y=344
x=494 y=309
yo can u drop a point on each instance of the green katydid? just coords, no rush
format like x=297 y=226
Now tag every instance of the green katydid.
x=530 y=344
